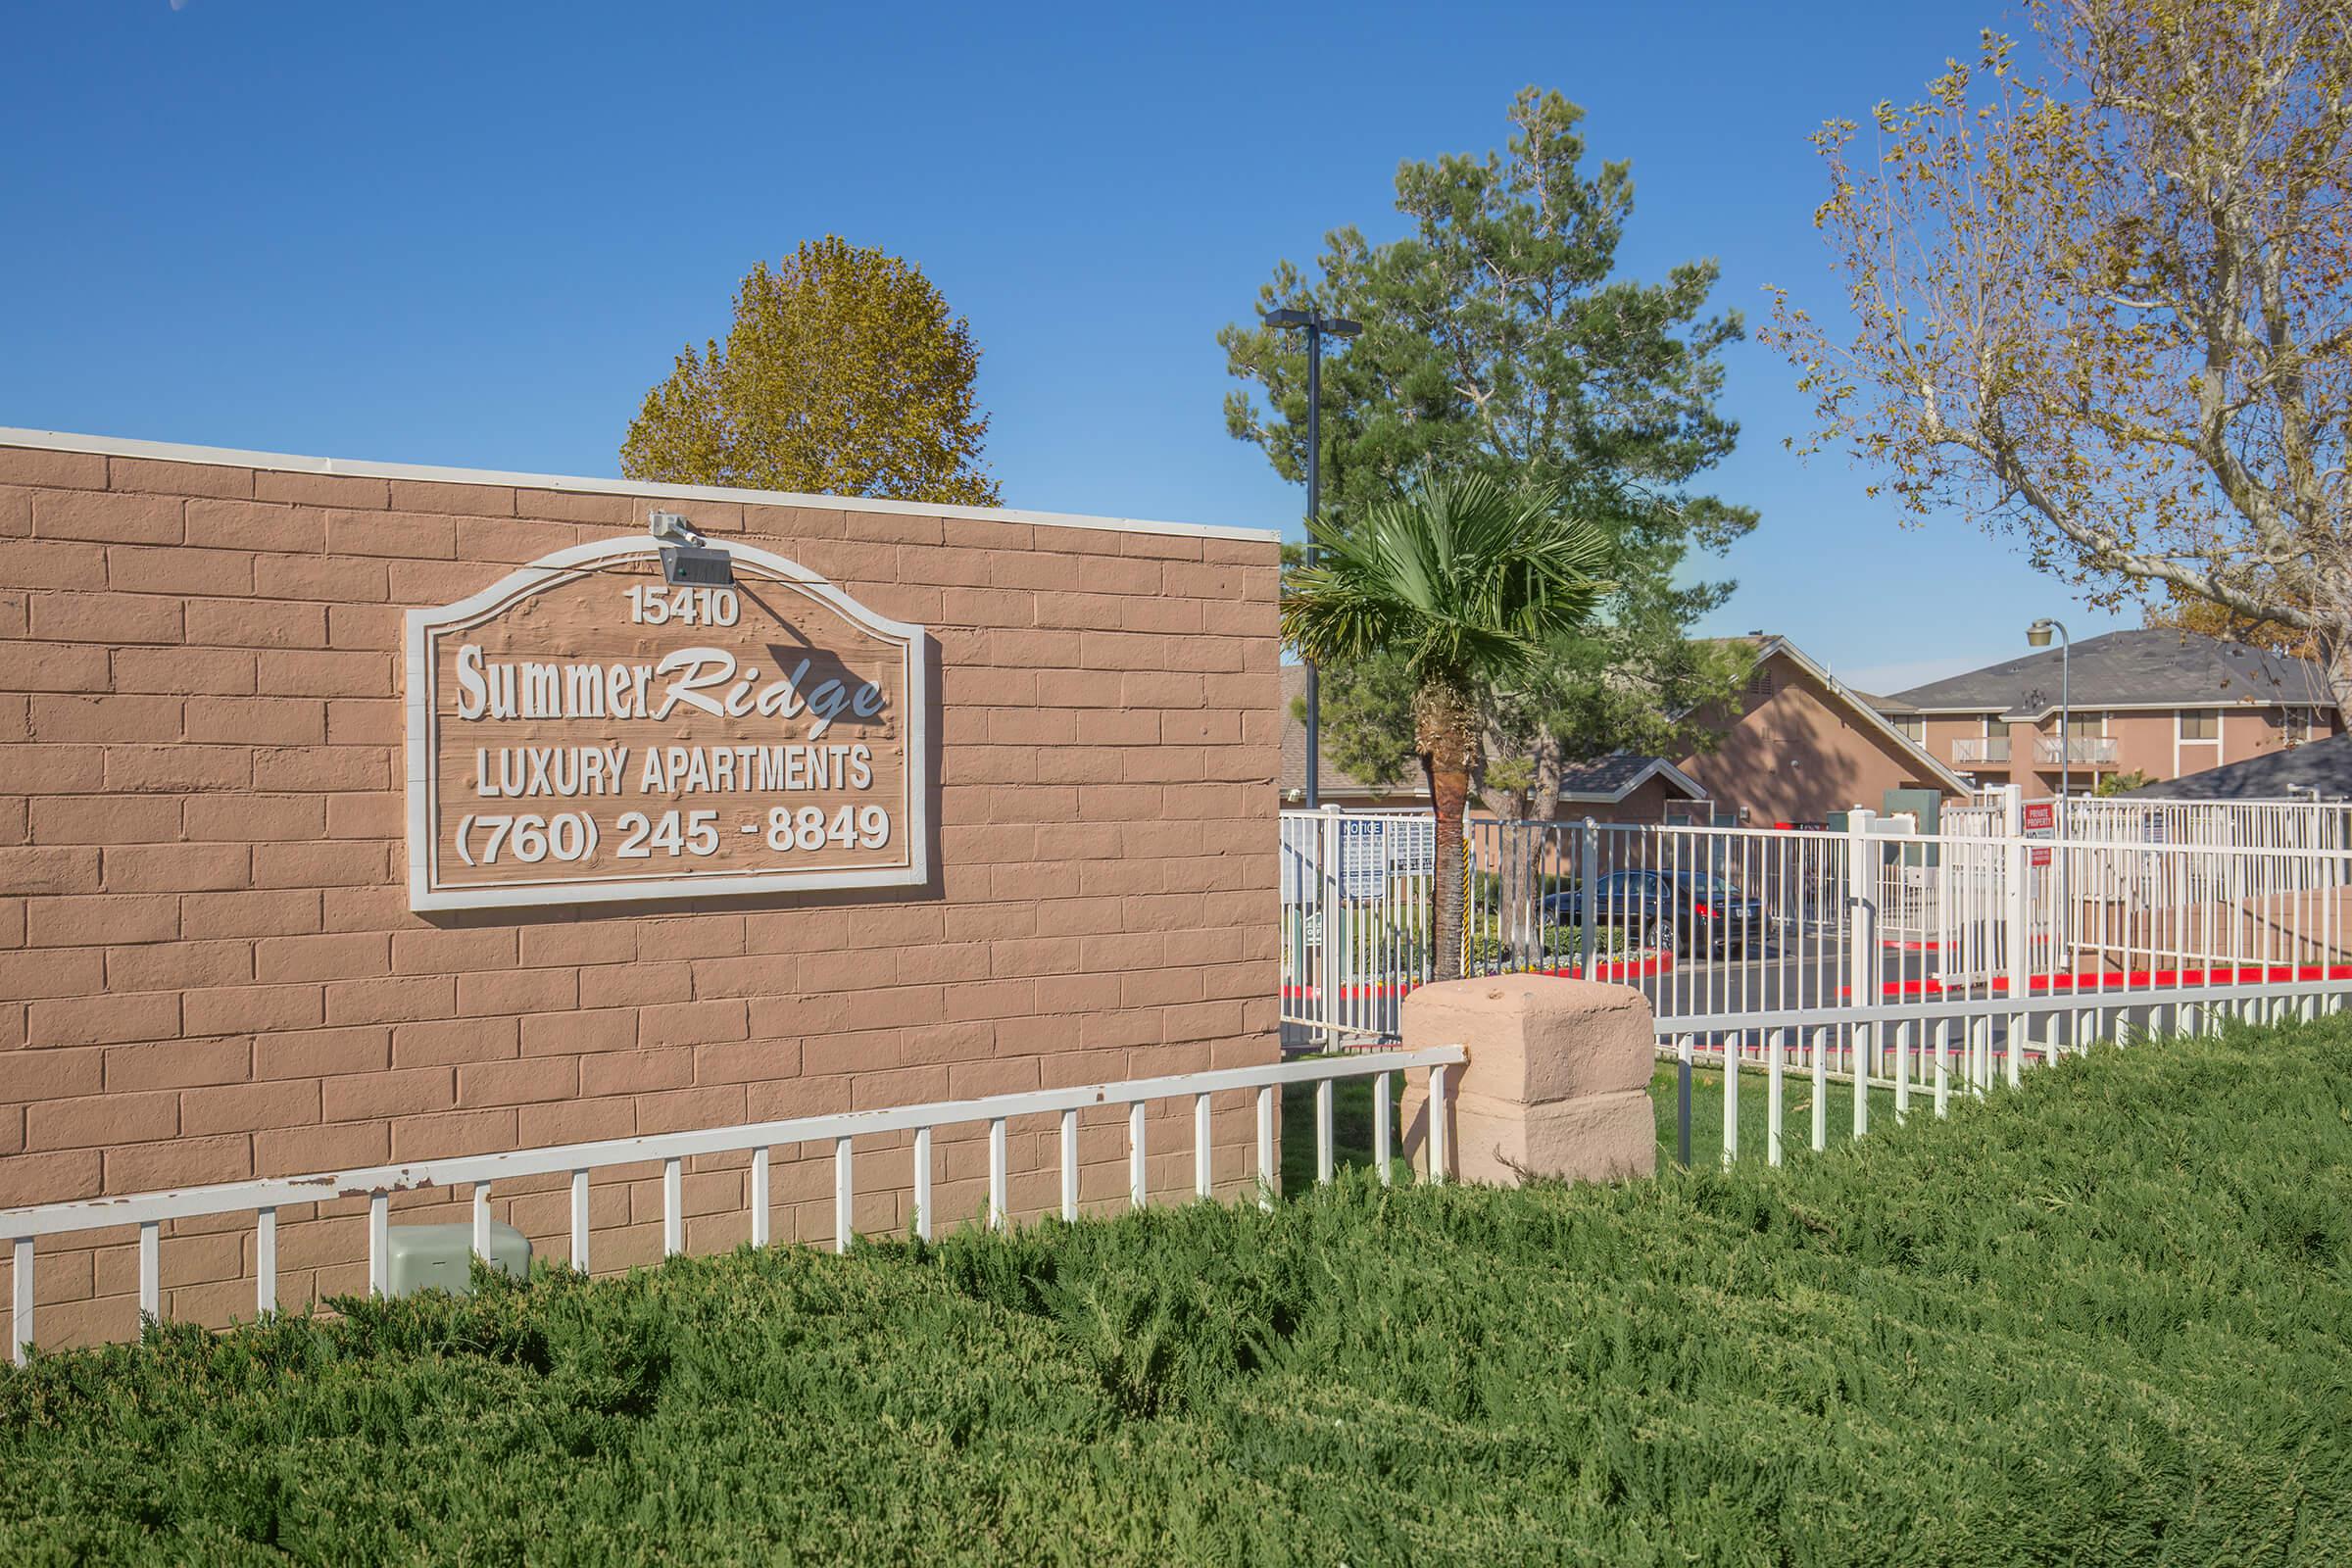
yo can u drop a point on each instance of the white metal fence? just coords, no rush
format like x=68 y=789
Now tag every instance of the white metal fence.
x=1356 y=900
x=1903 y=966
x=152 y=1212
x=2237 y=824
x=1726 y=929
x=2284 y=824
x=1916 y=1053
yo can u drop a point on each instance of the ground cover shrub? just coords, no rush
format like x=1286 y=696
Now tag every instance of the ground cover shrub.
x=2102 y=1320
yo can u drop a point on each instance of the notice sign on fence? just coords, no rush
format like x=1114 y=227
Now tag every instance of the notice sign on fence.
x=583 y=730
x=1373 y=849
x=1363 y=859
x=1413 y=850
x=2040 y=821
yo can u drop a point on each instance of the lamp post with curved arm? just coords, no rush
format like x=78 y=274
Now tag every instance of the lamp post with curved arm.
x=1317 y=327
x=2038 y=635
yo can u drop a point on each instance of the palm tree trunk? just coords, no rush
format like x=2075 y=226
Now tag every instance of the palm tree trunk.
x=1446 y=723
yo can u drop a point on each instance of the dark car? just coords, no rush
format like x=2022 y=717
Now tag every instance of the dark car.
x=1686 y=911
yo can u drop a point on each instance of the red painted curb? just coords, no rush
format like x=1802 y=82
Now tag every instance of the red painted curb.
x=2132 y=980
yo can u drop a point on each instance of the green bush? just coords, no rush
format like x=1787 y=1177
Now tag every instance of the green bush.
x=1562 y=943
x=2104 y=1320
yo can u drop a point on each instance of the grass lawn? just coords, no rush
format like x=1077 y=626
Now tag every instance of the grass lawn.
x=1797 y=1122
x=2108 y=1319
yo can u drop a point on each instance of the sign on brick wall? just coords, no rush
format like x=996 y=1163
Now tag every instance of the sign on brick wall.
x=583 y=731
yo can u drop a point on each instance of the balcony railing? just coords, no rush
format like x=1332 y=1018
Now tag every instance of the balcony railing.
x=2092 y=750
x=1978 y=749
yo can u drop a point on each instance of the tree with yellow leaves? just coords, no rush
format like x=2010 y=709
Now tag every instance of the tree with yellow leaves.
x=2112 y=314
x=2202 y=618
x=844 y=374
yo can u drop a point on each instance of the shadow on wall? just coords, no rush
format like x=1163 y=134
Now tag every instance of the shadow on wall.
x=810 y=668
x=1791 y=763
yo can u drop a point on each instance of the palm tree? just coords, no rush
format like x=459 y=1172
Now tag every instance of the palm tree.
x=1465 y=580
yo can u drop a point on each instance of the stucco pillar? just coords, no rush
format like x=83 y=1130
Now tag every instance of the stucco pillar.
x=1558 y=1083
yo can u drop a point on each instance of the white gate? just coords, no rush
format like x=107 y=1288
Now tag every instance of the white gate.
x=1356 y=900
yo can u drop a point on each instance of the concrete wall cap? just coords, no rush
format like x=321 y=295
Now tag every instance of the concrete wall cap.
x=1536 y=1039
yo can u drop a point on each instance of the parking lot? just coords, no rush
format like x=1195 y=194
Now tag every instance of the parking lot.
x=1794 y=970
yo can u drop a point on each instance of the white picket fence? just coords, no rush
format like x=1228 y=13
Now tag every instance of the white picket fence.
x=1934 y=1051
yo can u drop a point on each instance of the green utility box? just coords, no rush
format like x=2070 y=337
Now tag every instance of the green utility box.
x=435 y=1258
x=1924 y=805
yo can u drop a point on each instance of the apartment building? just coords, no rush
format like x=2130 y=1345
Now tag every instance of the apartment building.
x=1798 y=745
x=1795 y=745
x=1621 y=788
x=2155 y=702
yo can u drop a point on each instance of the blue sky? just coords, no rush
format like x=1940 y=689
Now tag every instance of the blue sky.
x=475 y=234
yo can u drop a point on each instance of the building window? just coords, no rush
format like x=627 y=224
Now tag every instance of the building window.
x=1759 y=684
x=2085 y=726
x=1915 y=730
x=2297 y=722
x=2200 y=725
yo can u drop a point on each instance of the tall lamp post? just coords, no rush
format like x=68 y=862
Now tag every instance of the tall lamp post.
x=1316 y=325
x=2038 y=635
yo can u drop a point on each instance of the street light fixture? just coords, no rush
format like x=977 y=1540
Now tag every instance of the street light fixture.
x=1316 y=326
x=687 y=558
x=2038 y=635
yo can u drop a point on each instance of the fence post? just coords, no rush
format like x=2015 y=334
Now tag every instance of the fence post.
x=2016 y=872
x=20 y=1331
x=1588 y=882
x=1327 y=878
x=1684 y=1050
x=1862 y=952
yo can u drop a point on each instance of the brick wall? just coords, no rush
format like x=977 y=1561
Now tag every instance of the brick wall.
x=209 y=972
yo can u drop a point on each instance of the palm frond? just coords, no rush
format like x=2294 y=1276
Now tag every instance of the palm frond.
x=1466 y=578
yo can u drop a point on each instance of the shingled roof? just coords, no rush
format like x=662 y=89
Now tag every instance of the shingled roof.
x=2323 y=767
x=1293 y=749
x=1609 y=779
x=2149 y=668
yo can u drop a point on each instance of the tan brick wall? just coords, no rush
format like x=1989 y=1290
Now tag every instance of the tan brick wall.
x=209 y=972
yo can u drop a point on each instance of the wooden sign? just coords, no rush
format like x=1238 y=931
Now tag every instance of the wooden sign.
x=582 y=731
